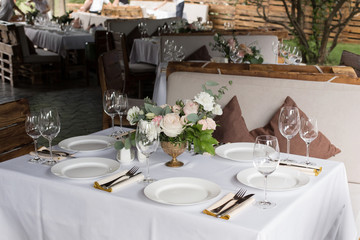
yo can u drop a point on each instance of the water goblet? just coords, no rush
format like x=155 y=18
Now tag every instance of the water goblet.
x=289 y=126
x=308 y=133
x=266 y=158
x=32 y=129
x=109 y=99
x=49 y=129
x=147 y=141
x=121 y=104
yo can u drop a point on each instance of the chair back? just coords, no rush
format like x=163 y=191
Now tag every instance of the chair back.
x=120 y=46
x=352 y=60
x=14 y=141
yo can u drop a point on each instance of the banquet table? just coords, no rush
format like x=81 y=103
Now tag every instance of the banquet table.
x=56 y=40
x=145 y=51
x=35 y=204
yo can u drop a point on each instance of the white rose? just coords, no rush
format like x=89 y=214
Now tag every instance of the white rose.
x=171 y=125
x=217 y=110
x=206 y=100
x=132 y=114
x=149 y=129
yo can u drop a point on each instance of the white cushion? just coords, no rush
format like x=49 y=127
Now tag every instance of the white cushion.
x=355 y=200
x=335 y=106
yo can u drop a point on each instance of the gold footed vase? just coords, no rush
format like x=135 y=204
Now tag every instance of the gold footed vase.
x=174 y=150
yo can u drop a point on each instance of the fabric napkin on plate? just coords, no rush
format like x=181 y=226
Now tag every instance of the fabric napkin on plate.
x=129 y=181
x=234 y=211
x=307 y=169
x=57 y=155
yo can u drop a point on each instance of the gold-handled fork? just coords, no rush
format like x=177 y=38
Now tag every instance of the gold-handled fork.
x=237 y=196
x=131 y=172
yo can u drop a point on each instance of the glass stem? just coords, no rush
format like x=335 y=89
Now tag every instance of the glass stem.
x=307 y=152
x=265 y=188
x=51 y=153
x=288 y=148
x=147 y=167
x=120 y=115
x=112 y=123
x=36 y=151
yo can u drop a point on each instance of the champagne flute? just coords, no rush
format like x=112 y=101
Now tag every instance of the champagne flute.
x=289 y=126
x=266 y=157
x=121 y=104
x=147 y=141
x=109 y=99
x=308 y=133
x=32 y=129
x=49 y=128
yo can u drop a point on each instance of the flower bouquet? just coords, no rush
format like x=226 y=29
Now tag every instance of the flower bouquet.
x=236 y=52
x=63 y=19
x=188 y=121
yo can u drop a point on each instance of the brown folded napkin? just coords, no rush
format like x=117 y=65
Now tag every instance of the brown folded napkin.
x=234 y=211
x=119 y=185
x=57 y=155
x=307 y=169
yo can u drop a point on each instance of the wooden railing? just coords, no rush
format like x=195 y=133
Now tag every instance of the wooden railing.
x=125 y=12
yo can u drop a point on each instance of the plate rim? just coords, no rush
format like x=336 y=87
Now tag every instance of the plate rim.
x=298 y=173
x=59 y=164
x=220 y=148
x=95 y=137
x=146 y=189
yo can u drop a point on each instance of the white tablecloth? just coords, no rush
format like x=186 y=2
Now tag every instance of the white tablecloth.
x=145 y=51
x=58 y=41
x=35 y=204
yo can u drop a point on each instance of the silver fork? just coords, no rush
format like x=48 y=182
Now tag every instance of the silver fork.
x=237 y=196
x=131 y=172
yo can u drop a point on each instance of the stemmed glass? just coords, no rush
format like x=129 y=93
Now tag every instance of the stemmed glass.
x=49 y=128
x=109 y=100
x=147 y=141
x=308 y=133
x=289 y=125
x=32 y=129
x=266 y=157
x=121 y=104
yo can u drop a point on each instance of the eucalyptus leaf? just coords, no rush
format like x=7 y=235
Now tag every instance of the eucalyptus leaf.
x=193 y=117
x=119 y=145
x=211 y=83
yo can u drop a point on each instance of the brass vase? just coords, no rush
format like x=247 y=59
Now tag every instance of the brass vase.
x=174 y=150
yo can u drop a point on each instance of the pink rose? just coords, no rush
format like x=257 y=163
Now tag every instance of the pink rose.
x=171 y=125
x=241 y=53
x=232 y=43
x=207 y=124
x=157 y=120
x=176 y=109
x=190 y=107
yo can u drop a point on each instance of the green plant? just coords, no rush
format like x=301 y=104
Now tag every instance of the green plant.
x=126 y=141
x=63 y=19
x=31 y=16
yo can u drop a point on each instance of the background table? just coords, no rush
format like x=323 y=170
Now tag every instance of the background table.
x=35 y=204
x=145 y=51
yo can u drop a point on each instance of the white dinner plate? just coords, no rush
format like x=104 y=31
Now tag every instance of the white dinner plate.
x=85 y=168
x=280 y=180
x=182 y=191
x=87 y=143
x=241 y=151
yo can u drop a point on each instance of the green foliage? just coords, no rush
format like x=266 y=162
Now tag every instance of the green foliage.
x=63 y=19
x=126 y=142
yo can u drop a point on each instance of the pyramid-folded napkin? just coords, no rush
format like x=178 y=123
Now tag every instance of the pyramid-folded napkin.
x=234 y=211
x=304 y=168
x=119 y=185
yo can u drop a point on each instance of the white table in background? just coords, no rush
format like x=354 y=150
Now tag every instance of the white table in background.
x=35 y=204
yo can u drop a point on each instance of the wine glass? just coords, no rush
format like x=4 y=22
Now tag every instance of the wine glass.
x=109 y=100
x=49 y=128
x=147 y=141
x=308 y=132
x=32 y=129
x=121 y=104
x=289 y=126
x=266 y=157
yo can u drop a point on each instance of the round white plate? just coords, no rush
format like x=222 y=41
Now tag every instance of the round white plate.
x=87 y=143
x=85 y=168
x=280 y=180
x=182 y=191
x=241 y=152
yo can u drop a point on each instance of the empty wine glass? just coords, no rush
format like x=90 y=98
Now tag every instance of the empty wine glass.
x=147 y=141
x=109 y=99
x=121 y=104
x=32 y=129
x=289 y=125
x=308 y=132
x=266 y=157
x=49 y=128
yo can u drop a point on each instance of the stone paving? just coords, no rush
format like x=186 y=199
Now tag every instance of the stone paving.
x=80 y=106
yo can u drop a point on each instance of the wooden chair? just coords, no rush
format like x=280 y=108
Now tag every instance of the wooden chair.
x=14 y=141
x=137 y=75
x=110 y=76
x=18 y=59
x=352 y=60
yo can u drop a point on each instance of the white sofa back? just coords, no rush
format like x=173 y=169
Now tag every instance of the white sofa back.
x=192 y=42
x=335 y=106
x=191 y=11
x=127 y=25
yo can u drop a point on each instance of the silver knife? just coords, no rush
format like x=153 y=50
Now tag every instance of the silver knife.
x=122 y=180
x=227 y=210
